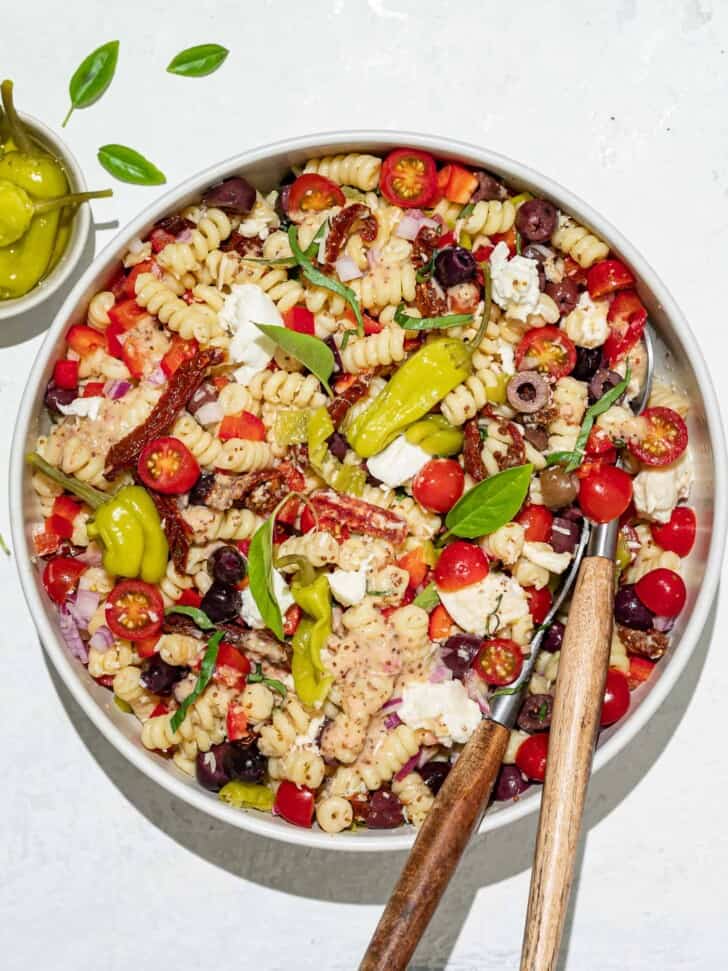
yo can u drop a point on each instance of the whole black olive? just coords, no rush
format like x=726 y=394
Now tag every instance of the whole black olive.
x=246 y=763
x=221 y=602
x=233 y=195
x=564 y=294
x=385 y=810
x=629 y=611
x=509 y=784
x=434 y=774
x=454 y=265
x=202 y=489
x=226 y=564
x=527 y=392
x=211 y=767
x=536 y=220
x=553 y=638
x=587 y=364
x=535 y=713
x=160 y=677
x=56 y=396
x=458 y=652
x=489 y=188
x=602 y=382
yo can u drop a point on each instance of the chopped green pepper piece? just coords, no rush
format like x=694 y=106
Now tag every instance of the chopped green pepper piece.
x=247 y=794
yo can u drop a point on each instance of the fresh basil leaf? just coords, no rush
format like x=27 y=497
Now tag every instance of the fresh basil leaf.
x=558 y=458
x=506 y=691
x=491 y=504
x=427 y=598
x=92 y=77
x=286 y=261
x=310 y=351
x=259 y=678
x=429 y=323
x=199 y=616
x=203 y=679
x=260 y=574
x=4 y=546
x=196 y=62
x=598 y=408
x=320 y=279
x=127 y=165
x=345 y=338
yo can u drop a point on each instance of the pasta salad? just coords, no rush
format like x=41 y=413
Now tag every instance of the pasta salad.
x=315 y=462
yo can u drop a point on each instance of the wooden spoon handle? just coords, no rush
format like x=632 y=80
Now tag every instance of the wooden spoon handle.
x=437 y=850
x=574 y=725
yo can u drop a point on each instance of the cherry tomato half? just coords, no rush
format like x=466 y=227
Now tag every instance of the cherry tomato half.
x=547 y=350
x=662 y=437
x=314 y=193
x=531 y=756
x=294 y=803
x=677 y=535
x=662 y=591
x=134 y=610
x=167 y=465
x=231 y=667
x=61 y=576
x=408 y=178
x=616 y=697
x=439 y=484
x=539 y=603
x=536 y=521
x=499 y=661
x=460 y=565
x=245 y=425
x=626 y=318
x=608 y=275
x=605 y=493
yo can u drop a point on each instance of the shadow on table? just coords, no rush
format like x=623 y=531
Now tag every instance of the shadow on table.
x=367 y=878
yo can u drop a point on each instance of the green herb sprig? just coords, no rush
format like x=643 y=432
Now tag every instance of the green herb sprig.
x=257 y=677
x=320 y=279
x=207 y=668
x=406 y=322
x=199 y=616
x=92 y=77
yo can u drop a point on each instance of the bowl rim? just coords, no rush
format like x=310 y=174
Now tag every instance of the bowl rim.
x=79 y=229
x=327 y=143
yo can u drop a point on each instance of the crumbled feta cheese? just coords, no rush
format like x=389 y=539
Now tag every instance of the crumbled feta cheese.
x=542 y=554
x=658 y=491
x=587 y=323
x=398 y=462
x=83 y=407
x=497 y=594
x=349 y=587
x=507 y=356
x=442 y=708
x=249 y=609
x=307 y=741
x=515 y=282
x=245 y=306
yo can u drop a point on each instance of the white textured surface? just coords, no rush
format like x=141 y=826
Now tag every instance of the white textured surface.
x=625 y=104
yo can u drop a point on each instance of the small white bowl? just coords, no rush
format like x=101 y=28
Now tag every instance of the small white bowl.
x=79 y=229
x=678 y=356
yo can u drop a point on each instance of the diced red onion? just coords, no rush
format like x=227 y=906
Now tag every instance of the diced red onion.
x=206 y=393
x=102 y=640
x=440 y=673
x=136 y=245
x=544 y=251
x=392 y=704
x=347 y=269
x=409 y=765
x=373 y=257
x=116 y=389
x=71 y=635
x=91 y=556
x=412 y=223
x=663 y=624
x=391 y=721
x=185 y=236
x=476 y=689
x=157 y=377
x=84 y=606
x=209 y=413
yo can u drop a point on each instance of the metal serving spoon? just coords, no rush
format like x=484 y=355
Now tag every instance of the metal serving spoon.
x=463 y=798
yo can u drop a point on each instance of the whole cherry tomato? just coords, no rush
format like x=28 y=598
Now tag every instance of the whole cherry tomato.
x=531 y=756
x=294 y=803
x=537 y=521
x=662 y=591
x=677 y=535
x=460 y=565
x=662 y=438
x=60 y=577
x=605 y=493
x=439 y=484
x=616 y=697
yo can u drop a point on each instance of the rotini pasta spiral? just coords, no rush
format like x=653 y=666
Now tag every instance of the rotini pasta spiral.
x=286 y=724
x=298 y=765
x=319 y=299
x=210 y=524
x=491 y=217
x=317 y=547
x=273 y=280
x=415 y=796
x=128 y=687
x=334 y=814
x=196 y=321
x=396 y=748
x=386 y=285
x=379 y=350
x=285 y=388
x=578 y=243
x=99 y=306
x=173 y=583
x=181 y=258
x=179 y=649
x=355 y=169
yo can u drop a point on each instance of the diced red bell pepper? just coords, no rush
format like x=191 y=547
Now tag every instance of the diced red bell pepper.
x=508 y=238
x=66 y=507
x=292 y=620
x=456 y=183
x=93 y=389
x=158 y=710
x=146 y=266
x=59 y=526
x=372 y=326
x=539 y=603
x=294 y=803
x=45 y=543
x=147 y=647
x=415 y=564
x=118 y=285
x=115 y=347
x=127 y=314
x=236 y=722
x=244 y=546
x=107 y=681
x=447 y=239
x=189 y=598
x=65 y=374
x=627 y=317
x=482 y=254
x=640 y=669
x=83 y=340
x=577 y=274
x=245 y=425
x=441 y=624
x=179 y=351
x=606 y=276
x=299 y=319
x=232 y=667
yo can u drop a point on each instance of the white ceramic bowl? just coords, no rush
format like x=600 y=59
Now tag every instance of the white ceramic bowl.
x=678 y=354
x=79 y=229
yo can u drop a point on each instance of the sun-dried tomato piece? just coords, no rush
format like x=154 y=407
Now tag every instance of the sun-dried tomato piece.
x=424 y=246
x=651 y=644
x=177 y=531
x=360 y=516
x=472 y=447
x=242 y=245
x=339 y=406
x=351 y=219
x=430 y=300
x=182 y=384
x=174 y=224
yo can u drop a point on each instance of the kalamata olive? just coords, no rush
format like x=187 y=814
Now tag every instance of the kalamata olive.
x=535 y=713
x=537 y=436
x=56 y=396
x=206 y=394
x=489 y=188
x=454 y=265
x=510 y=783
x=532 y=253
x=527 y=391
x=160 y=677
x=564 y=535
x=226 y=564
x=211 y=767
x=202 y=489
x=536 y=220
x=434 y=774
x=553 y=638
x=245 y=762
x=458 y=652
x=588 y=360
x=233 y=195
x=221 y=602
x=282 y=201
x=564 y=294
x=602 y=382
x=338 y=446
x=558 y=488
x=385 y=810
x=333 y=347
x=174 y=224
x=629 y=611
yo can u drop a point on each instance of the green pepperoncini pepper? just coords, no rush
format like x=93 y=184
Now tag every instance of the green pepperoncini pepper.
x=435 y=435
x=309 y=675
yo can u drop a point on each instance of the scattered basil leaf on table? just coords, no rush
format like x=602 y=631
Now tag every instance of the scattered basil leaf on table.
x=429 y=323
x=310 y=351
x=574 y=459
x=4 y=546
x=92 y=77
x=128 y=165
x=490 y=504
x=197 y=62
x=427 y=598
x=320 y=279
x=203 y=679
x=259 y=678
x=199 y=616
x=260 y=574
